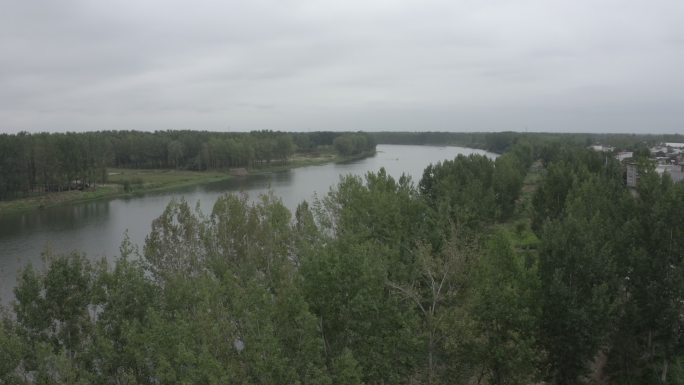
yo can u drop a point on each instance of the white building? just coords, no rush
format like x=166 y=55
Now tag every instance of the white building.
x=676 y=171
x=602 y=148
x=624 y=155
x=632 y=175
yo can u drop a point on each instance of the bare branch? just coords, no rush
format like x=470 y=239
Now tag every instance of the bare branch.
x=408 y=293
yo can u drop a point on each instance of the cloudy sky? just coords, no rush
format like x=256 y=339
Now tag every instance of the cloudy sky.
x=459 y=65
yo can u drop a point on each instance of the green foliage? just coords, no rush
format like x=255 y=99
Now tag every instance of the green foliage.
x=505 y=307
x=346 y=370
x=175 y=244
x=129 y=185
x=434 y=294
x=507 y=183
x=34 y=164
x=466 y=139
x=354 y=144
x=500 y=142
x=567 y=169
x=474 y=190
x=346 y=291
x=579 y=281
x=369 y=229
x=648 y=341
x=54 y=318
x=11 y=352
x=50 y=162
x=378 y=282
x=462 y=189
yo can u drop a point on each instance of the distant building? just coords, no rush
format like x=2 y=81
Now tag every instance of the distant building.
x=624 y=155
x=667 y=148
x=602 y=148
x=662 y=168
x=676 y=172
x=632 y=177
x=658 y=150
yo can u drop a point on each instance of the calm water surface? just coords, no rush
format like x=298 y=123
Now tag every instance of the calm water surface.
x=97 y=228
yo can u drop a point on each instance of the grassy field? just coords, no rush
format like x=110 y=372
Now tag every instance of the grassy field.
x=128 y=182
x=518 y=229
x=52 y=199
x=153 y=179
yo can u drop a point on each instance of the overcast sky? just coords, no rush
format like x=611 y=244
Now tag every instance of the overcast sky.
x=459 y=65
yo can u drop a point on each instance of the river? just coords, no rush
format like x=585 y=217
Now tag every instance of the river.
x=97 y=227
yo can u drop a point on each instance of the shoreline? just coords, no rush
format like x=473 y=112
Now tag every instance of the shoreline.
x=159 y=180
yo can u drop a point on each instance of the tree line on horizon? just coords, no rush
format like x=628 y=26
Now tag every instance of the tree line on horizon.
x=500 y=142
x=49 y=162
x=539 y=266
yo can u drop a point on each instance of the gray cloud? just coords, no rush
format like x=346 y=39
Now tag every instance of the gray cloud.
x=606 y=65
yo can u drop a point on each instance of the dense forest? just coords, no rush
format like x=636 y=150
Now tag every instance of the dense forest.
x=45 y=162
x=500 y=142
x=537 y=267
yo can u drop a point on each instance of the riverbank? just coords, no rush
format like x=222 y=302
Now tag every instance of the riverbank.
x=132 y=182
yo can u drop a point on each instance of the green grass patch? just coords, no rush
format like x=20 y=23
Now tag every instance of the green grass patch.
x=520 y=234
x=532 y=180
x=518 y=230
x=57 y=198
x=152 y=179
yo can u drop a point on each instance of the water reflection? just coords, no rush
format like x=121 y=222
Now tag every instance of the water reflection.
x=68 y=217
x=250 y=182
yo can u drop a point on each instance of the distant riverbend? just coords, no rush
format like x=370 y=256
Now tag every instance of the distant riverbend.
x=97 y=227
